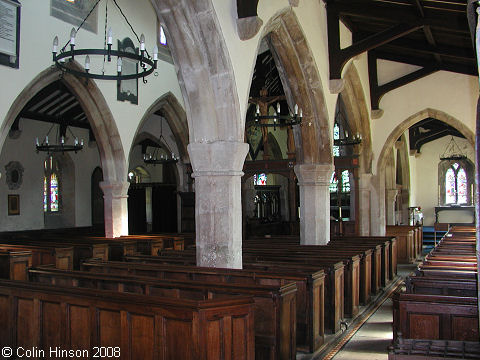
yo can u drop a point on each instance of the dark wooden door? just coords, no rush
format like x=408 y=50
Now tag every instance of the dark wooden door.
x=137 y=213
x=164 y=209
x=98 y=218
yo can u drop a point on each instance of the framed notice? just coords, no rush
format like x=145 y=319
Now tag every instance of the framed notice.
x=13 y=204
x=9 y=32
x=127 y=90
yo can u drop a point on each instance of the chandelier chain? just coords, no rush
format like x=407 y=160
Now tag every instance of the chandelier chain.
x=105 y=36
x=81 y=24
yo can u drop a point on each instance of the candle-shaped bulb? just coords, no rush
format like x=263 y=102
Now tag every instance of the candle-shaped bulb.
x=346 y=134
x=62 y=139
x=142 y=42
x=155 y=53
x=46 y=139
x=258 y=109
x=75 y=142
x=81 y=142
x=173 y=156
x=55 y=44
x=73 y=33
x=296 y=109
x=36 y=141
x=87 y=63
x=278 y=107
x=119 y=65
x=301 y=113
x=109 y=36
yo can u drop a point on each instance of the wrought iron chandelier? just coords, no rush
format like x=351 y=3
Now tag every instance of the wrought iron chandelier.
x=348 y=141
x=147 y=63
x=158 y=156
x=60 y=145
x=277 y=119
x=452 y=151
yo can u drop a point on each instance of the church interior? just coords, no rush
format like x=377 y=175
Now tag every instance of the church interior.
x=239 y=179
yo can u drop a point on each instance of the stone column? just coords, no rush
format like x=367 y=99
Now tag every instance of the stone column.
x=391 y=194
x=364 y=185
x=377 y=205
x=218 y=206
x=115 y=205
x=313 y=180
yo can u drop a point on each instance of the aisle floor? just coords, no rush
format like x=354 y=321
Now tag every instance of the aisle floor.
x=371 y=341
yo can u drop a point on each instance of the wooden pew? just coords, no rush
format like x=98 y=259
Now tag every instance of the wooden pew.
x=436 y=317
x=412 y=349
x=310 y=288
x=441 y=285
x=136 y=326
x=405 y=243
x=62 y=257
x=14 y=264
x=275 y=306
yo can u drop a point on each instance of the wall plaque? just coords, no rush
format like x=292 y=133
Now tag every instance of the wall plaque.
x=9 y=32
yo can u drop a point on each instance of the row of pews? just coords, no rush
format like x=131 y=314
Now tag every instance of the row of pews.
x=146 y=296
x=437 y=314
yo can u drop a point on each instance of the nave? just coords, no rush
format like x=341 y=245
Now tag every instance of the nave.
x=290 y=301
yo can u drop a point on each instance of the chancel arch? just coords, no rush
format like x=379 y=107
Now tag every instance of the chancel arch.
x=106 y=136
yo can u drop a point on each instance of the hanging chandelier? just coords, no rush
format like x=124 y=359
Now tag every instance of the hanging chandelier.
x=452 y=151
x=277 y=119
x=160 y=155
x=348 y=141
x=147 y=64
x=60 y=145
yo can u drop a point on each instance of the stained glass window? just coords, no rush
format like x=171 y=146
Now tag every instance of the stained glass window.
x=333 y=183
x=163 y=38
x=462 y=186
x=336 y=136
x=45 y=201
x=260 y=179
x=450 y=187
x=53 y=192
x=345 y=181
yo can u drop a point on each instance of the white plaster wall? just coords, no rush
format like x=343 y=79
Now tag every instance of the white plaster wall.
x=31 y=190
x=38 y=29
x=454 y=94
x=391 y=70
x=425 y=180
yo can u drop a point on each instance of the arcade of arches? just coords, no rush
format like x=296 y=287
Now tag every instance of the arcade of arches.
x=204 y=96
x=382 y=139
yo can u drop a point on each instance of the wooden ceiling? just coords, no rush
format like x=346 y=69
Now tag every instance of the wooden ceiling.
x=429 y=130
x=439 y=36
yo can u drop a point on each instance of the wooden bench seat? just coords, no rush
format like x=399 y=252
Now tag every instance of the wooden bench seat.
x=62 y=257
x=14 y=264
x=412 y=349
x=142 y=327
x=436 y=317
x=406 y=252
x=310 y=288
x=275 y=306
x=441 y=285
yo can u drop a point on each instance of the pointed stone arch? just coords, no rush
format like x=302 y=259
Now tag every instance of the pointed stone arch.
x=357 y=111
x=303 y=86
x=103 y=125
x=176 y=118
x=419 y=116
x=204 y=70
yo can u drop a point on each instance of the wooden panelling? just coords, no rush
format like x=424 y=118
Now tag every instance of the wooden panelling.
x=423 y=326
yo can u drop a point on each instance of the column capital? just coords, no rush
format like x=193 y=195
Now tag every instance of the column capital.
x=115 y=189
x=218 y=158
x=314 y=174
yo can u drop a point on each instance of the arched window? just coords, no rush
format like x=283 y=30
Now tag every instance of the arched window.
x=345 y=181
x=51 y=186
x=455 y=182
x=333 y=183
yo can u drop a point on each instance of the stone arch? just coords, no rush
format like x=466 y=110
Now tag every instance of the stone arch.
x=176 y=118
x=302 y=84
x=112 y=156
x=419 y=116
x=204 y=70
x=357 y=111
